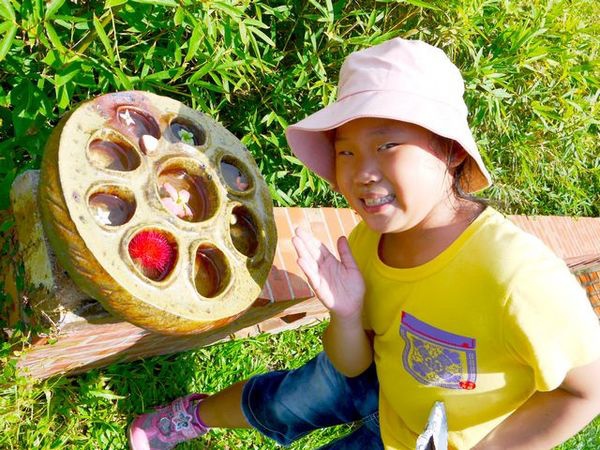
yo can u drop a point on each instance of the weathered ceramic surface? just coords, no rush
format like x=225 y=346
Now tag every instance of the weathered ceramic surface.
x=133 y=162
x=53 y=299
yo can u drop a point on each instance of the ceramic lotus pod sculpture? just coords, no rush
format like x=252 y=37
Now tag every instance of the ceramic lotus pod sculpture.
x=157 y=211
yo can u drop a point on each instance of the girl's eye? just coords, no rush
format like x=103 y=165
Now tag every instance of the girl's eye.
x=387 y=146
x=344 y=153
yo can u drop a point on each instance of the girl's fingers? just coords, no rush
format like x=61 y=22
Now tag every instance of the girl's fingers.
x=345 y=253
x=311 y=271
x=314 y=246
x=304 y=251
x=300 y=247
x=307 y=263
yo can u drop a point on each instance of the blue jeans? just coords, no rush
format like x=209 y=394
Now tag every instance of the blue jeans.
x=286 y=405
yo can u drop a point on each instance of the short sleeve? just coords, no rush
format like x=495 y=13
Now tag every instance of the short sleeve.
x=549 y=323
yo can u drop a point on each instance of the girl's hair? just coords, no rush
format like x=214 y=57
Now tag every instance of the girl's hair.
x=460 y=176
x=457 y=187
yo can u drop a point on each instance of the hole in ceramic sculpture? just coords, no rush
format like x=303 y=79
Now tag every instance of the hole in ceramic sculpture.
x=234 y=176
x=243 y=230
x=114 y=154
x=211 y=273
x=112 y=206
x=187 y=192
x=186 y=132
x=138 y=122
x=154 y=253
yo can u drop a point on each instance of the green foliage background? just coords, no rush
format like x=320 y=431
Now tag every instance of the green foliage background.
x=532 y=73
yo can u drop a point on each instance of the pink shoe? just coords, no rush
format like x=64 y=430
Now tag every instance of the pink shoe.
x=167 y=426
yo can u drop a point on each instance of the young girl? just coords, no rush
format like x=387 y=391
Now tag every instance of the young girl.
x=435 y=297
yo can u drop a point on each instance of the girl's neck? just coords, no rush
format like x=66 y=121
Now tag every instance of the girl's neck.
x=423 y=243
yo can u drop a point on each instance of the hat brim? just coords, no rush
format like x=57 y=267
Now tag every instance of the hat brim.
x=312 y=144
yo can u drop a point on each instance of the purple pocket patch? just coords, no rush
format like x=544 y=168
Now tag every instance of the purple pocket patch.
x=436 y=357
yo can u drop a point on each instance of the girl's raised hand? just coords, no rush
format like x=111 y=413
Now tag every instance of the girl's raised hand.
x=338 y=283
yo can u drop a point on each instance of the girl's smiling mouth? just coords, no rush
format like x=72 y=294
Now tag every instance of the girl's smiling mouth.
x=372 y=202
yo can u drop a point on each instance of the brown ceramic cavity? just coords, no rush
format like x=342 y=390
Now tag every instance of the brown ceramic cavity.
x=235 y=175
x=137 y=121
x=211 y=271
x=182 y=130
x=187 y=190
x=244 y=231
x=215 y=272
x=109 y=150
x=112 y=205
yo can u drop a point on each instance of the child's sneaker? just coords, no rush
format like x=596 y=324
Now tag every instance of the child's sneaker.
x=167 y=426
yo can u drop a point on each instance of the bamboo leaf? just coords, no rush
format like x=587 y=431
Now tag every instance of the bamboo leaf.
x=103 y=393
x=7 y=11
x=178 y=16
x=53 y=36
x=7 y=41
x=256 y=23
x=162 y=75
x=209 y=86
x=112 y=3
x=172 y=3
x=261 y=35
x=52 y=7
x=243 y=33
x=194 y=42
x=123 y=79
x=62 y=97
x=419 y=3
x=66 y=75
x=104 y=38
x=207 y=67
x=228 y=9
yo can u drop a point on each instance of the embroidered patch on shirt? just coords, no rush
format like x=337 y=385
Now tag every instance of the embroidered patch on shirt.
x=436 y=357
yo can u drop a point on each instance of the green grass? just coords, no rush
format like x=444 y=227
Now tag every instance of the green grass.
x=532 y=86
x=92 y=411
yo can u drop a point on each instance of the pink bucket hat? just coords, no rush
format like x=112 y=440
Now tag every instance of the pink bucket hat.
x=405 y=80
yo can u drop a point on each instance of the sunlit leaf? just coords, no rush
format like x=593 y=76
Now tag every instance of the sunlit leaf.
x=172 y=3
x=52 y=7
x=419 y=3
x=54 y=37
x=227 y=8
x=261 y=35
x=194 y=41
x=124 y=81
x=65 y=75
x=104 y=39
x=7 y=11
x=7 y=41
x=106 y=394
x=112 y=3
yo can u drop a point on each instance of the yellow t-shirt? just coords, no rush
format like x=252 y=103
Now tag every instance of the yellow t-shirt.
x=481 y=327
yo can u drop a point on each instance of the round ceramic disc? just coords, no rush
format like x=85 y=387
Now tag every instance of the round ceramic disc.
x=157 y=211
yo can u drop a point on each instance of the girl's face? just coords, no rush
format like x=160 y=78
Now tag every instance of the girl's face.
x=393 y=174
